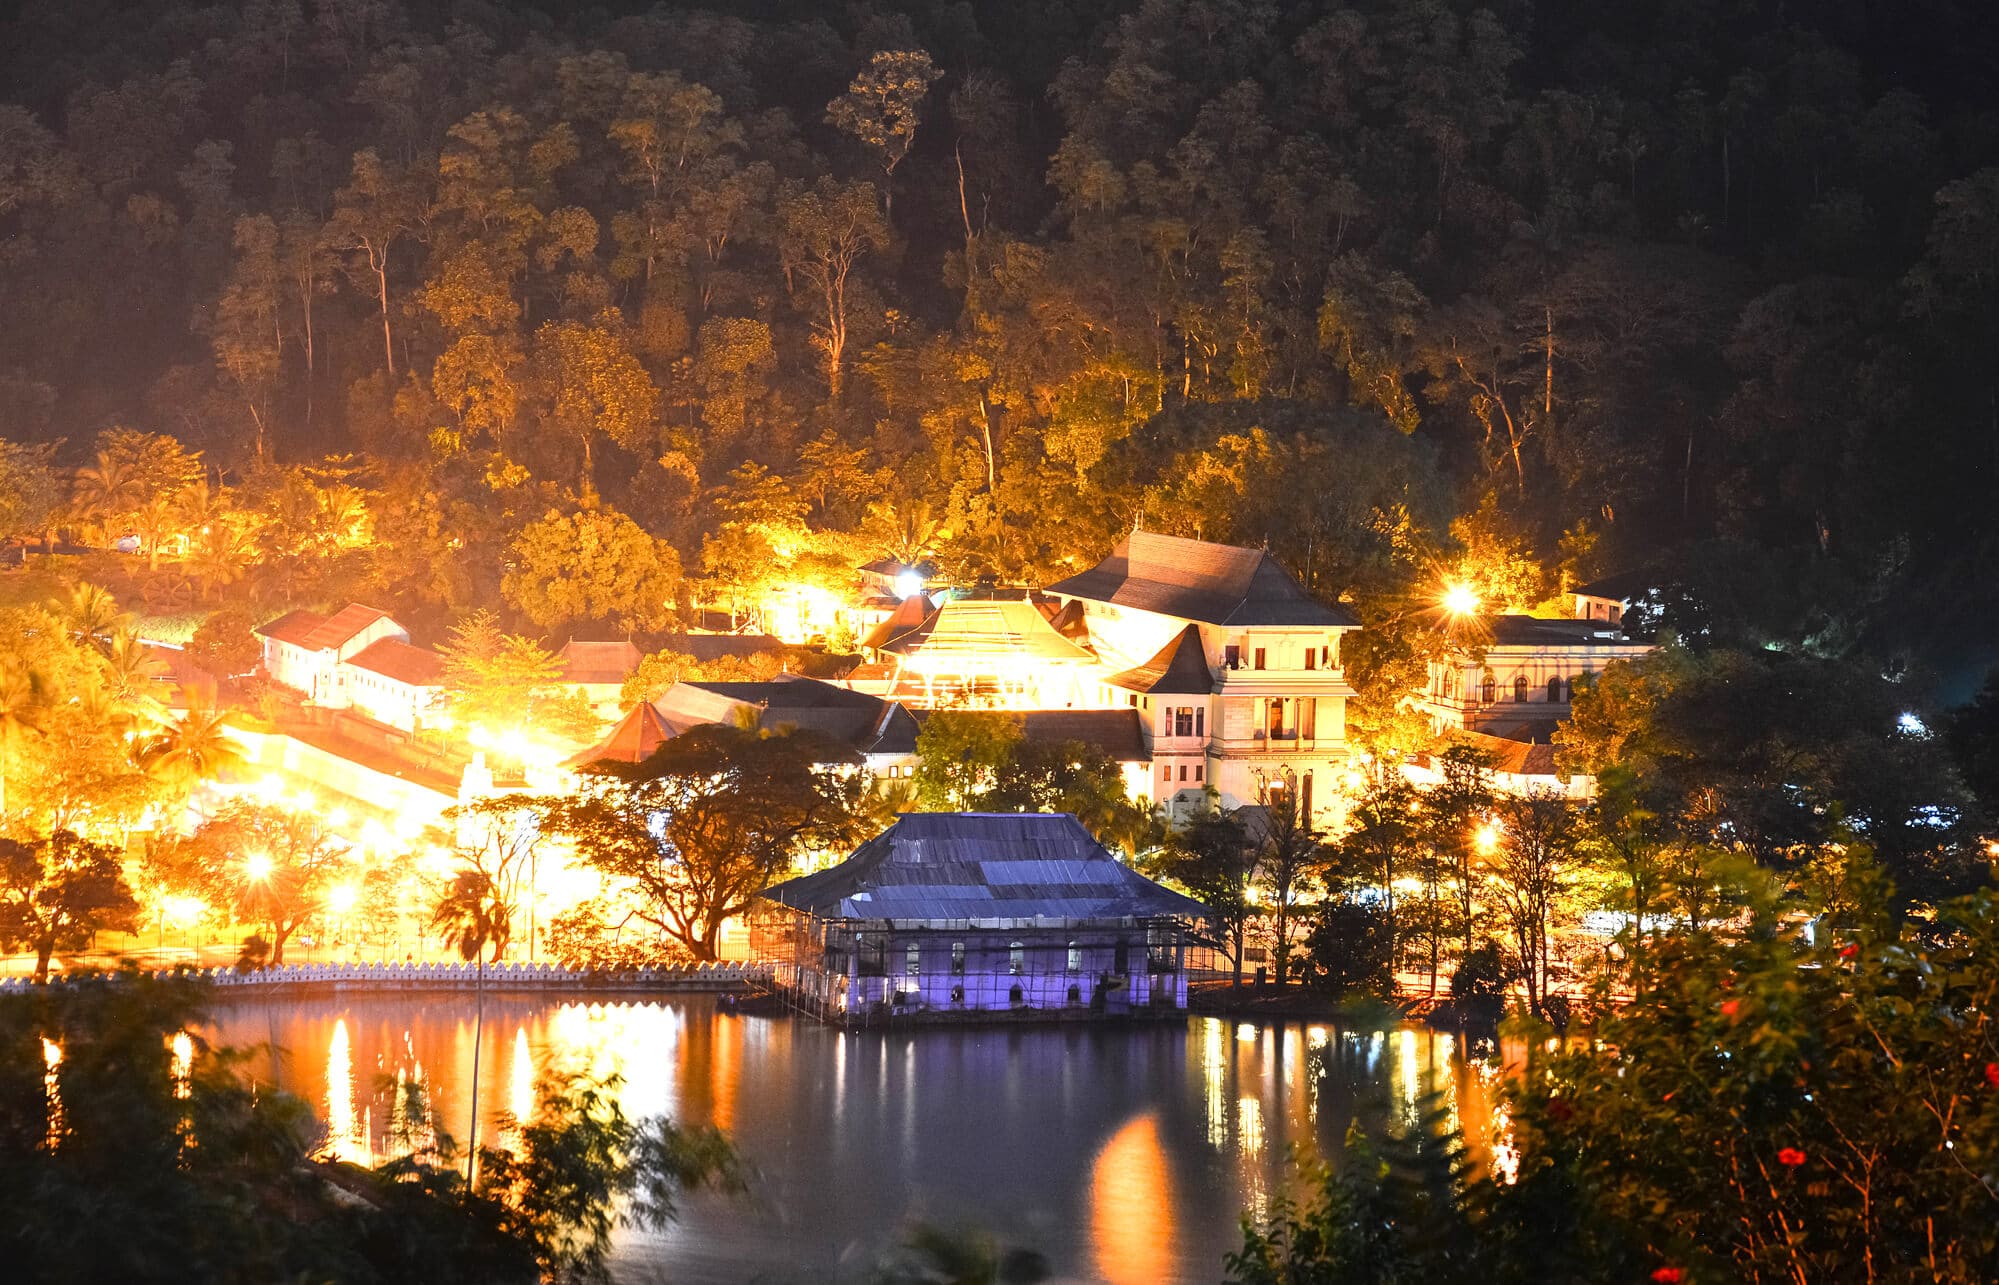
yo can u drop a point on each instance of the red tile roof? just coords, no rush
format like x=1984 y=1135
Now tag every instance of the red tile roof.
x=314 y=632
x=633 y=740
x=599 y=662
x=293 y=627
x=396 y=659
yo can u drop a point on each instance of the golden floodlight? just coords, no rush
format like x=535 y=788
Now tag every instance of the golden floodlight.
x=258 y=866
x=1461 y=600
x=1487 y=838
x=340 y=900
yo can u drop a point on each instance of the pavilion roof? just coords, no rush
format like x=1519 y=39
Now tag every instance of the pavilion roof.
x=983 y=866
x=980 y=629
x=1180 y=668
x=1216 y=584
x=633 y=740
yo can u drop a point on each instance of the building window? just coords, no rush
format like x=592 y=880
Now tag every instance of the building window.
x=957 y=994
x=1305 y=797
x=1232 y=657
x=1016 y=996
x=912 y=959
x=958 y=957
x=1555 y=689
x=1166 y=772
x=1520 y=690
x=1308 y=717
x=1075 y=958
x=1489 y=689
x=1075 y=994
x=1260 y=657
x=1016 y=959
x=1197 y=774
x=1183 y=720
x=1326 y=657
x=1183 y=771
x=1200 y=720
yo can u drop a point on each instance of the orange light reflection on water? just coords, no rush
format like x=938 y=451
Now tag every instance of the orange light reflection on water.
x=1131 y=1206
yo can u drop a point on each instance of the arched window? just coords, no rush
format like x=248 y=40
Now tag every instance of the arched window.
x=1555 y=690
x=1520 y=690
x=958 y=957
x=1016 y=959
x=1489 y=690
x=1075 y=958
x=912 y=959
x=1075 y=994
x=1016 y=996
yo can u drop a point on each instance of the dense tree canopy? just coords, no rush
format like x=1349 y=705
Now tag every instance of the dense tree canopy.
x=1632 y=285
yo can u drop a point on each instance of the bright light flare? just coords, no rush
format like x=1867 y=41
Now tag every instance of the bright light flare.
x=1487 y=838
x=341 y=899
x=1461 y=600
x=258 y=866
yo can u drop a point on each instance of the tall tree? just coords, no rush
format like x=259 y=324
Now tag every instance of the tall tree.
x=881 y=109
x=716 y=815
x=58 y=892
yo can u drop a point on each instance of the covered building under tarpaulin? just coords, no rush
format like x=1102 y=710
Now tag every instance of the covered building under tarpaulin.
x=956 y=914
x=995 y=653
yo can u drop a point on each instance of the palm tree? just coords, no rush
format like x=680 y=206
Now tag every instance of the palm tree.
x=105 y=491
x=200 y=747
x=157 y=522
x=92 y=613
x=20 y=701
x=472 y=913
x=217 y=556
x=129 y=673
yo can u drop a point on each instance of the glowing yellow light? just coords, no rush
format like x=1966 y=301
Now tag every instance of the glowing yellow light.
x=257 y=865
x=1461 y=600
x=181 y=911
x=1487 y=838
x=51 y=1053
x=337 y=818
x=341 y=899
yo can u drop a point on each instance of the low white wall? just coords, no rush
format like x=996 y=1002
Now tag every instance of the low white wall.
x=444 y=977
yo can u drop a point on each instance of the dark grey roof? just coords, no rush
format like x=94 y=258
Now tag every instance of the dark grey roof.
x=1622 y=586
x=983 y=866
x=1535 y=631
x=868 y=723
x=1114 y=731
x=716 y=646
x=1179 y=669
x=1219 y=584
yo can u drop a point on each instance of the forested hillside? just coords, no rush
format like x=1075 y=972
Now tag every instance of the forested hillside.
x=1560 y=288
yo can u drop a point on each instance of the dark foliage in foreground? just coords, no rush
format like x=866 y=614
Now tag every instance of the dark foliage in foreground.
x=122 y=1164
x=1762 y=1112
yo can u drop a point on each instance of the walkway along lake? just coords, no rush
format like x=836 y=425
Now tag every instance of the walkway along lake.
x=1123 y=1153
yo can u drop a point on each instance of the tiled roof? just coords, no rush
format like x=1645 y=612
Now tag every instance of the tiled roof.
x=294 y=627
x=908 y=615
x=706 y=647
x=983 y=866
x=342 y=625
x=1537 y=631
x=1218 y=584
x=633 y=740
x=988 y=628
x=1514 y=757
x=394 y=658
x=1114 y=731
x=599 y=662
x=1179 y=669
x=869 y=724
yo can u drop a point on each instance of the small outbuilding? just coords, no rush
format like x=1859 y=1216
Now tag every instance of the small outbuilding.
x=970 y=914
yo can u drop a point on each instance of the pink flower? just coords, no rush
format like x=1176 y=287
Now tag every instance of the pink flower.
x=1790 y=1157
x=1669 y=1276
x=1848 y=951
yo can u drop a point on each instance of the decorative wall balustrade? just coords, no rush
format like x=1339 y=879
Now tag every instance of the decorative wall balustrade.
x=402 y=977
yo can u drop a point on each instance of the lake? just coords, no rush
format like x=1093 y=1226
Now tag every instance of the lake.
x=1123 y=1153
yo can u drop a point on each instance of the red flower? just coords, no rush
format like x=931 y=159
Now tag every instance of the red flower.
x=1848 y=951
x=1729 y=1006
x=1669 y=1276
x=1992 y=1074
x=1790 y=1157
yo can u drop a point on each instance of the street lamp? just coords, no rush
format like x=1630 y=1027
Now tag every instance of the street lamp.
x=1487 y=838
x=1461 y=600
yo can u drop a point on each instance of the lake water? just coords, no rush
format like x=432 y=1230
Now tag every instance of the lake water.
x=1122 y=1153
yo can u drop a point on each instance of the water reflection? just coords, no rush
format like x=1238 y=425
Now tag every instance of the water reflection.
x=1132 y=1206
x=1123 y=1153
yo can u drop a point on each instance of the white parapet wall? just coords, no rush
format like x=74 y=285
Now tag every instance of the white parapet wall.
x=407 y=977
